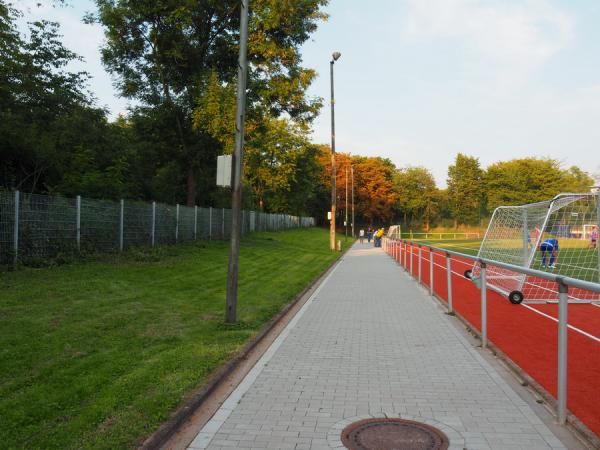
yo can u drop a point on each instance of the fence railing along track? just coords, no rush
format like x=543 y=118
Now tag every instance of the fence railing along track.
x=529 y=335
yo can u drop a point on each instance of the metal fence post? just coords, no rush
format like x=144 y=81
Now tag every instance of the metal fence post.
x=483 y=306
x=16 y=227
x=563 y=290
x=420 y=261
x=78 y=221
x=399 y=259
x=411 y=259
x=449 y=276
x=177 y=223
x=195 y=222
x=121 y=224
x=430 y=271
x=223 y=225
x=153 y=223
x=210 y=223
x=405 y=254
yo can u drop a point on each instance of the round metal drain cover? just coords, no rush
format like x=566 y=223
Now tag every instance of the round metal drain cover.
x=393 y=434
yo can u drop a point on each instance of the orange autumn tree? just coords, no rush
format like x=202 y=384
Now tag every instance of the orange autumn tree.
x=374 y=195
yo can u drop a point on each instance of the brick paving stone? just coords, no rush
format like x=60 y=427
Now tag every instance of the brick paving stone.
x=371 y=343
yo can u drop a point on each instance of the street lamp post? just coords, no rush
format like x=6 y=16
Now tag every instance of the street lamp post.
x=335 y=56
x=352 y=174
x=346 y=209
x=236 y=172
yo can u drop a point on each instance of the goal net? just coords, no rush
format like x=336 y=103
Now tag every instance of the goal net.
x=554 y=236
x=394 y=232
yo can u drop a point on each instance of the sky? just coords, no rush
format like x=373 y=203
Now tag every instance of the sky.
x=421 y=80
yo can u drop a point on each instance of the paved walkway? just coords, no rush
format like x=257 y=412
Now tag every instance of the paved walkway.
x=370 y=342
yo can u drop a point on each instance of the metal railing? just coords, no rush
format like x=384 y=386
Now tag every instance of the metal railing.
x=399 y=249
x=44 y=226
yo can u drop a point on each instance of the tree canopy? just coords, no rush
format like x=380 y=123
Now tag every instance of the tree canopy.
x=177 y=59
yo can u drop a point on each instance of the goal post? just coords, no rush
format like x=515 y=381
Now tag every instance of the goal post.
x=547 y=236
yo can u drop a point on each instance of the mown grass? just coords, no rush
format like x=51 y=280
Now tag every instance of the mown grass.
x=97 y=355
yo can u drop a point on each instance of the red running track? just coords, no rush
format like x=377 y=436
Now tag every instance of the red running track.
x=527 y=334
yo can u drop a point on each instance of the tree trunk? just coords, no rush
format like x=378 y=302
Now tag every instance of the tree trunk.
x=456 y=224
x=192 y=187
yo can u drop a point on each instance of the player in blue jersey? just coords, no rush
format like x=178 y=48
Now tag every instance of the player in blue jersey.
x=549 y=246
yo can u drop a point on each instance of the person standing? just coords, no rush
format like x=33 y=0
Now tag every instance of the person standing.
x=594 y=238
x=361 y=235
x=549 y=246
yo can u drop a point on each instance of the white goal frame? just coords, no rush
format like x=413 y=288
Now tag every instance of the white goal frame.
x=514 y=235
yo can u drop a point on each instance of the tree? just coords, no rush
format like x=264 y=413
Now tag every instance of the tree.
x=418 y=196
x=281 y=167
x=50 y=133
x=373 y=189
x=530 y=180
x=168 y=53
x=465 y=189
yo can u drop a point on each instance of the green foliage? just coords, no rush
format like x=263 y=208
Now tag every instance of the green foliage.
x=51 y=138
x=418 y=196
x=465 y=189
x=530 y=180
x=179 y=59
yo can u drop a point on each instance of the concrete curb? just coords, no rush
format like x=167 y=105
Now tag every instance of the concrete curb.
x=180 y=416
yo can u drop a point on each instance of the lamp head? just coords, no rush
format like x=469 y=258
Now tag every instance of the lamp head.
x=336 y=55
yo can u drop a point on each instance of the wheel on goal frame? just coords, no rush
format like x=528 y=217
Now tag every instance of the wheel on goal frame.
x=515 y=297
x=468 y=274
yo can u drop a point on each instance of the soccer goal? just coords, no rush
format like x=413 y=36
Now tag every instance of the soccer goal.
x=394 y=232
x=553 y=236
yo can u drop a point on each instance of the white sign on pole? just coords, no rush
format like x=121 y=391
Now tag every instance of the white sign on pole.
x=224 y=170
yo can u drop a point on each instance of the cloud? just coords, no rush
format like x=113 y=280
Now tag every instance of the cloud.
x=520 y=37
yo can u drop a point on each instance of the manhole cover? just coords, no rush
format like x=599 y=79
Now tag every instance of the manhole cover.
x=393 y=434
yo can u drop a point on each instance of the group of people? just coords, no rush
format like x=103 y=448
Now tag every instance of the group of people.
x=375 y=235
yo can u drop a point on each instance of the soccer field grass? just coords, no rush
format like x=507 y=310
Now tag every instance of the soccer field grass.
x=573 y=260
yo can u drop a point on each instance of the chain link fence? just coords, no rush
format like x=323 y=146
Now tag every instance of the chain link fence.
x=43 y=226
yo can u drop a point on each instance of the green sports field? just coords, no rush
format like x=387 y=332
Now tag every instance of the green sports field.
x=573 y=260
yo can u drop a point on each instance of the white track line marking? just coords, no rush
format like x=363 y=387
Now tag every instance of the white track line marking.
x=537 y=311
x=578 y=330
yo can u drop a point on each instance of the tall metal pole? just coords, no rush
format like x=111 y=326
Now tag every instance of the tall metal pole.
x=483 y=305
x=563 y=301
x=238 y=157
x=121 y=223
x=333 y=174
x=335 y=56
x=598 y=229
x=16 y=229
x=346 y=222
x=352 y=174
x=78 y=221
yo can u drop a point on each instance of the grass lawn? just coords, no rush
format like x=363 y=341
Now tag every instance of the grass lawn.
x=97 y=354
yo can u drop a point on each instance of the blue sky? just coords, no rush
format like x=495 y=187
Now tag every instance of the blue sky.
x=420 y=80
